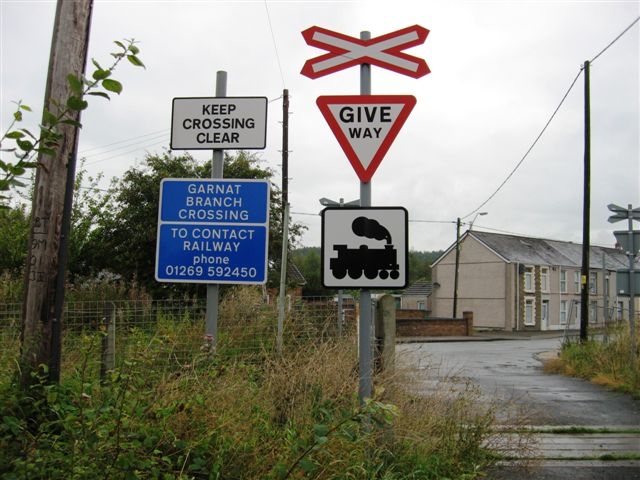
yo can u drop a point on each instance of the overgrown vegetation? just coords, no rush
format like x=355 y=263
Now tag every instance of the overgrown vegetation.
x=603 y=359
x=241 y=412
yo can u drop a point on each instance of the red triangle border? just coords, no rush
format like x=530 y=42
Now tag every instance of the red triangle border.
x=365 y=174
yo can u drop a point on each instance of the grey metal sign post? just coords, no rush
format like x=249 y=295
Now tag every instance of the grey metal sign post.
x=628 y=240
x=217 y=123
x=366 y=314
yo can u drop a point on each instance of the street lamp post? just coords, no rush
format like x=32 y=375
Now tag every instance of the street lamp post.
x=474 y=218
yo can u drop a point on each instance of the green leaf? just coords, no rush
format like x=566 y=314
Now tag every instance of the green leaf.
x=112 y=85
x=74 y=83
x=308 y=466
x=25 y=145
x=120 y=44
x=100 y=94
x=101 y=74
x=28 y=133
x=26 y=108
x=133 y=49
x=15 y=135
x=16 y=183
x=320 y=430
x=17 y=116
x=96 y=64
x=49 y=118
x=17 y=169
x=76 y=103
x=135 y=61
x=47 y=151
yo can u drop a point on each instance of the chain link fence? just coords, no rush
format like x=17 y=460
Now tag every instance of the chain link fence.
x=170 y=335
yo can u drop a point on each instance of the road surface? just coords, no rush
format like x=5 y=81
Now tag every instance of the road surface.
x=509 y=372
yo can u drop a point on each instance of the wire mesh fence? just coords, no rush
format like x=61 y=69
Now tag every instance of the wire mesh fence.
x=171 y=334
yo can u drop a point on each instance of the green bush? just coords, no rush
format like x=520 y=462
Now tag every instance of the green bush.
x=606 y=360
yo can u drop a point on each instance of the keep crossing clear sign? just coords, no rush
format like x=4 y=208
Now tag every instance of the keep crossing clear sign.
x=213 y=231
x=205 y=123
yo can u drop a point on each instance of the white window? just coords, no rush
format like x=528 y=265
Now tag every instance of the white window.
x=576 y=282
x=544 y=279
x=528 y=279
x=620 y=312
x=593 y=312
x=563 y=281
x=564 y=304
x=593 y=283
x=421 y=305
x=529 y=311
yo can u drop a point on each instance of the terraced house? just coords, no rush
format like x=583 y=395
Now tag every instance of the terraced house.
x=518 y=283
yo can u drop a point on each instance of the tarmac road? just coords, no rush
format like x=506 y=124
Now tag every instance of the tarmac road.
x=510 y=370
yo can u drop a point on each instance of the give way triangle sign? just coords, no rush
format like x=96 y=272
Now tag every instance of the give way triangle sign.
x=366 y=126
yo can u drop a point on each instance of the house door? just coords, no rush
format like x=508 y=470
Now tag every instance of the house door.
x=544 y=315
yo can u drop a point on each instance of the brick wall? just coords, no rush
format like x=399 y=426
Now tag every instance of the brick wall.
x=415 y=323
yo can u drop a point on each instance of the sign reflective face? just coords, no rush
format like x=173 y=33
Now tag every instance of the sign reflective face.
x=206 y=123
x=364 y=247
x=365 y=126
x=385 y=51
x=213 y=231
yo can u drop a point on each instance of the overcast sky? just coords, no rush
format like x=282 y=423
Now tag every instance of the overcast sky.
x=498 y=71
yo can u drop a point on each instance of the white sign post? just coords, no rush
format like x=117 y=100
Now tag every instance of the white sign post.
x=206 y=123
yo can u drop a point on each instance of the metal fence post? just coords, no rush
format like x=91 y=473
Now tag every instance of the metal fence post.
x=108 y=357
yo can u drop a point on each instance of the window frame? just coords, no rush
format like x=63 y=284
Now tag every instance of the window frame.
x=529 y=279
x=544 y=279
x=529 y=307
x=563 y=280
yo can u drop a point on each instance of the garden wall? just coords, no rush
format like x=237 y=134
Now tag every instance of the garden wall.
x=416 y=323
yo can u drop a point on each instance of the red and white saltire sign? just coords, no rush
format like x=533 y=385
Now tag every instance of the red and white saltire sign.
x=366 y=126
x=384 y=51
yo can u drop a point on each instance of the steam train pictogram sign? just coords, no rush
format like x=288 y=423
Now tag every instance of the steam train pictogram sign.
x=364 y=247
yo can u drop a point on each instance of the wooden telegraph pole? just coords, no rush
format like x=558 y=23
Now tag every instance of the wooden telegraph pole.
x=68 y=56
x=586 y=213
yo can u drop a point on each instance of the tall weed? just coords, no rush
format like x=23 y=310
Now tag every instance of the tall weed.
x=604 y=359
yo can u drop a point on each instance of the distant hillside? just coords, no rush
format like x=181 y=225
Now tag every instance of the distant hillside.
x=308 y=261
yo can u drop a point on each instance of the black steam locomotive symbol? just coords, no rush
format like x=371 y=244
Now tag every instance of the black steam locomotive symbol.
x=373 y=262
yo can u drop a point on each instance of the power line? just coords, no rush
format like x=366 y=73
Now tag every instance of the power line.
x=275 y=45
x=142 y=147
x=615 y=39
x=548 y=122
x=127 y=140
x=528 y=150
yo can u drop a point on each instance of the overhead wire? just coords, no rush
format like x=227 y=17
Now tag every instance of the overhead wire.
x=615 y=40
x=524 y=157
x=275 y=45
x=513 y=171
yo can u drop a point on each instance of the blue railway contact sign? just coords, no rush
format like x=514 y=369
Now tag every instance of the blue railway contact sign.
x=213 y=231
